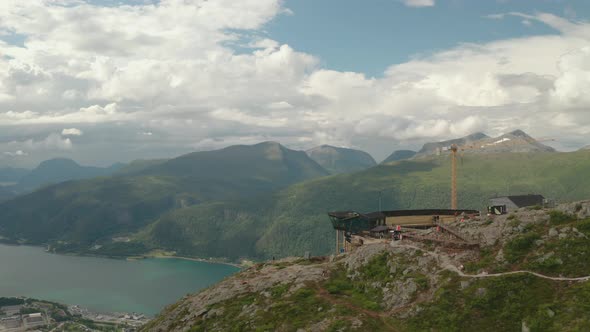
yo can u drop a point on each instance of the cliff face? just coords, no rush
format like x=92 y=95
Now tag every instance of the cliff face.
x=530 y=270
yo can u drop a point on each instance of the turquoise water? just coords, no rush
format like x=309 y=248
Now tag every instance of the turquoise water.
x=105 y=285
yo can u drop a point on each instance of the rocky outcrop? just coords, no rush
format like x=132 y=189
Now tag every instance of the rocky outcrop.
x=382 y=280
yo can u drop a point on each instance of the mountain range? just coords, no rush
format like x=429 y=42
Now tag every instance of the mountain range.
x=79 y=213
x=20 y=181
x=266 y=200
x=10 y=175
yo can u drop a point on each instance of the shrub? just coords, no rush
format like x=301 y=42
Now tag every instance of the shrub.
x=520 y=246
x=558 y=217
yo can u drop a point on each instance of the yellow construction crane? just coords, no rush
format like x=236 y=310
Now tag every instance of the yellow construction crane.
x=454 y=148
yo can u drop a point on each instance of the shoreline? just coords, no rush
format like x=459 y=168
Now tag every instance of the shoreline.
x=127 y=258
x=194 y=259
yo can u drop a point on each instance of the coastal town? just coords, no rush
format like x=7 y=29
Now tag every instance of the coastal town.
x=25 y=314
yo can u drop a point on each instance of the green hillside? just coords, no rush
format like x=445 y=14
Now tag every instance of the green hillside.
x=75 y=215
x=294 y=220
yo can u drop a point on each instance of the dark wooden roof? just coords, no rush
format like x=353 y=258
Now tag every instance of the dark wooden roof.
x=400 y=213
x=526 y=200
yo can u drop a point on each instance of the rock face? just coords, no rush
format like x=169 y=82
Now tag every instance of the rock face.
x=208 y=310
x=258 y=279
x=341 y=160
x=579 y=209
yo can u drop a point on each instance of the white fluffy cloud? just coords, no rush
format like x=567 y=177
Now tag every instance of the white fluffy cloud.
x=174 y=74
x=419 y=3
x=17 y=153
x=71 y=132
x=52 y=143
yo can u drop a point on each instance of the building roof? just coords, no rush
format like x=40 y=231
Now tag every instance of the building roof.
x=344 y=214
x=525 y=200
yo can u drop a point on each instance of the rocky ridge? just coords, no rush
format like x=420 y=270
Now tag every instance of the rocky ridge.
x=530 y=270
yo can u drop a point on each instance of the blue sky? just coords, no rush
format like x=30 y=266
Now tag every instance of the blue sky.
x=369 y=36
x=161 y=78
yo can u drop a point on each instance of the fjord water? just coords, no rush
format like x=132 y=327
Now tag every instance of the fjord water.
x=103 y=285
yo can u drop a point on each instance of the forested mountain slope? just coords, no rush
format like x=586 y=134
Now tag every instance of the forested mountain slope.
x=76 y=214
x=294 y=220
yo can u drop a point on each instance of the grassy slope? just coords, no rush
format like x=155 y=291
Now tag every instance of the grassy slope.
x=503 y=303
x=294 y=220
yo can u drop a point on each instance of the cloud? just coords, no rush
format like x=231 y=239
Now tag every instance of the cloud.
x=71 y=132
x=419 y=3
x=52 y=143
x=18 y=153
x=174 y=73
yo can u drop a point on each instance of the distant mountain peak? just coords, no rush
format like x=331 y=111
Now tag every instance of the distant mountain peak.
x=269 y=143
x=341 y=160
x=519 y=133
x=399 y=155
x=58 y=170
x=514 y=141
x=59 y=162
x=476 y=136
x=432 y=147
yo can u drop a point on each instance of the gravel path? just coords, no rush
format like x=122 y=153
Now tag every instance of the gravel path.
x=445 y=262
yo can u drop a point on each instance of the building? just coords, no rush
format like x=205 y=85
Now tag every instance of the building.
x=11 y=310
x=10 y=323
x=34 y=320
x=355 y=223
x=519 y=201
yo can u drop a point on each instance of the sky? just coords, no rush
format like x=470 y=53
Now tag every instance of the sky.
x=104 y=81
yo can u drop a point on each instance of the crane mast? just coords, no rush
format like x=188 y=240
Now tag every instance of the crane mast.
x=454 y=149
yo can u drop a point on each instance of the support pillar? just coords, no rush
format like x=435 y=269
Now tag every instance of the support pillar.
x=337 y=242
